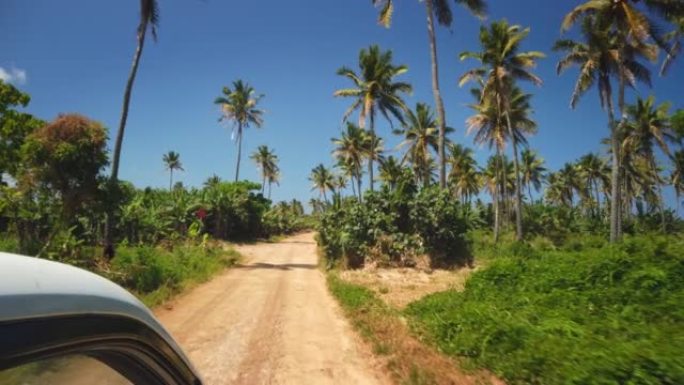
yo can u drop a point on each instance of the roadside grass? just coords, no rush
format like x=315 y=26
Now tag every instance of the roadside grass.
x=155 y=275
x=584 y=312
x=409 y=361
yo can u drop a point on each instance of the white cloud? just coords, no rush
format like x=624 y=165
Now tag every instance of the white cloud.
x=13 y=75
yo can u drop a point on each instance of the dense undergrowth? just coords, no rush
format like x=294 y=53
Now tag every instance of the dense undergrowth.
x=394 y=227
x=584 y=312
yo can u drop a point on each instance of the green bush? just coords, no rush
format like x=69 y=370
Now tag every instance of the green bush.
x=393 y=226
x=147 y=270
x=588 y=314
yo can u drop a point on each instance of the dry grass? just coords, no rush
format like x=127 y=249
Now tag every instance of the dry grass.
x=401 y=286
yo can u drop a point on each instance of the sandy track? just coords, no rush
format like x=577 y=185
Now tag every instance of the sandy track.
x=270 y=320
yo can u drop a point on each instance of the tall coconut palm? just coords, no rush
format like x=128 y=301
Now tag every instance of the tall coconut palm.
x=501 y=65
x=375 y=90
x=464 y=177
x=533 y=170
x=322 y=180
x=149 y=20
x=421 y=135
x=350 y=172
x=647 y=125
x=391 y=171
x=442 y=10
x=267 y=163
x=350 y=150
x=633 y=32
x=488 y=129
x=239 y=106
x=272 y=178
x=677 y=176
x=594 y=173
x=172 y=162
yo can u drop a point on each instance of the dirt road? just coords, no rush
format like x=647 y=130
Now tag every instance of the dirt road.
x=270 y=320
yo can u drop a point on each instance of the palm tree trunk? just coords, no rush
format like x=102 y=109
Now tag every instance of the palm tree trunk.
x=263 y=184
x=439 y=104
x=615 y=170
x=518 y=194
x=269 y=189
x=661 y=201
x=353 y=185
x=239 y=154
x=358 y=182
x=529 y=192
x=372 y=154
x=170 y=179
x=497 y=208
x=598 y=198
x=109 y=250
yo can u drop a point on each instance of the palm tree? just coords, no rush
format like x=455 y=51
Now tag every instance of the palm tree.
x=322 y=180
x=350 y=150
x=631 y=32
x=675 y=37
x=464 y=177
x=374 y=90
x=442 y=10
x=647 y=125
x=172 y=162
x=390 y=172
x=533 y=170
x=239 y=106
x=149 y=19
x=273 y=177
x=350 y=172
x=677 y=176
x=420 y=136
x=501 y=65
x=267 y=162
x=593 y=171
x=212 y=181
x=373 y=150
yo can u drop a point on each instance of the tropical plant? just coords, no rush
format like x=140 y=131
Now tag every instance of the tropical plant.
x=464 y=177
x=501 y=65
x=631 y=33
x=375 y=90
x=66 y=156
x=267 y=162
x=442 y=10
x=239 y=106
x=391 y=171
x=172 y=162
x=421 y=135
x=350 y=150
x=595 y=174
x=533 y=170
x=322 y=180
x=149 y=19
x=649 y=124
x=677 y=176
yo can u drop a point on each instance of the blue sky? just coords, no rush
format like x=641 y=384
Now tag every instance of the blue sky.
x=75 y=56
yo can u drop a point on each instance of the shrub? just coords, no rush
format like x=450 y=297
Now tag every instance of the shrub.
x=589 y=314
x=147 y=270
x=392 y=227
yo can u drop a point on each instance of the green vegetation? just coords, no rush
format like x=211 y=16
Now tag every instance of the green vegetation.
x=582 y=313
x=56 y=203
x=405 y=223
x=155 y=274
